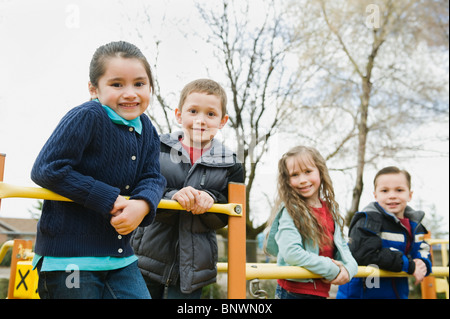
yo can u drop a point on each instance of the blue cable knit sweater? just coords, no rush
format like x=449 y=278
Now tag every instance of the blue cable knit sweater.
x=91 y=160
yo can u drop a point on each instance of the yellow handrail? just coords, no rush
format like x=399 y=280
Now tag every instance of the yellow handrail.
x=273 y=271
x=4 y=249
x=14 y=191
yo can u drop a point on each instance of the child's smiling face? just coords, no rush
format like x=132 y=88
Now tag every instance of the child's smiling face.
x=125 y=87
x=201 y=117
x=304 y=178
x=392 y=193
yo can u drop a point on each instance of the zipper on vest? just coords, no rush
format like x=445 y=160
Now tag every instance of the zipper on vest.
x=169 y=279
x=202 y=181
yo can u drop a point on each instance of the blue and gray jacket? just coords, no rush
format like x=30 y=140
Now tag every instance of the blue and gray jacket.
x=378 y=238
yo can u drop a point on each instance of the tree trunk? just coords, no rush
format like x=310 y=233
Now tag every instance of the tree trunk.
x=362 y=140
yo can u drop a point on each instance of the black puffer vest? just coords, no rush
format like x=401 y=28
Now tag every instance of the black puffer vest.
x=179 y=245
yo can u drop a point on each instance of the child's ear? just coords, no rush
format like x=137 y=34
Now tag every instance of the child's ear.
x=223 y=121
x=178 y=116
x=92 y=91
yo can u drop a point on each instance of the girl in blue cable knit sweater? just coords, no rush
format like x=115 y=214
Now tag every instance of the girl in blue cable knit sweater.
x=100 y=153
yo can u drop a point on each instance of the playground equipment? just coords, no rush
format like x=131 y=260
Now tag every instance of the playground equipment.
x=23 y=255
x=23 y=280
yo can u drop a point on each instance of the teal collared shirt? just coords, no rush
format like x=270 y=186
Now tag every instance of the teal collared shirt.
x=82 y=263
x=116 y=118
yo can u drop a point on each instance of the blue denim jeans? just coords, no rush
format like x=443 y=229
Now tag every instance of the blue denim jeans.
x=123 y=283
x=159 y=291
x=281 y=293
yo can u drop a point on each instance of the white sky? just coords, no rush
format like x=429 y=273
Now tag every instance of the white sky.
x=44 y=62
x=46 y=47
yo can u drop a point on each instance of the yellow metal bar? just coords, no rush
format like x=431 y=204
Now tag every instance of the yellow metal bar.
x=13 y=191
x=230 y=209
x=6 y=245
x=10 y=191
x=273 y=271
x=435 y=241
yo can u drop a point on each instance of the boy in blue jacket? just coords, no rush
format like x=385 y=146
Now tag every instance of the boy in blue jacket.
x=389 y=234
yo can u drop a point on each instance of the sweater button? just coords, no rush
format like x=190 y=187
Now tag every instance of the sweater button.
x=120 y=250
x=133 y=158
x=119 y=237
x=130 y=129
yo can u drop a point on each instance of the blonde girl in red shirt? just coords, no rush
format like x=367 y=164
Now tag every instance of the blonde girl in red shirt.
x=306 y=230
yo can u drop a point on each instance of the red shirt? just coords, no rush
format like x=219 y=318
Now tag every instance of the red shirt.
x=194 y=153
x=317 y=287
x=405 y=222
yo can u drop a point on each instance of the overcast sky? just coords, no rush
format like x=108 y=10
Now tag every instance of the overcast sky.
x=46 y=47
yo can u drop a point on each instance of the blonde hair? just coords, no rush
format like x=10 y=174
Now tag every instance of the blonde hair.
x=206 y=86
x=305 y=221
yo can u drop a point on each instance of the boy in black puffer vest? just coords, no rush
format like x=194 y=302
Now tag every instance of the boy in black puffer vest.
x=178 y=252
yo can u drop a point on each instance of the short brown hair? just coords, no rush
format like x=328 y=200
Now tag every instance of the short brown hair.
x=207 y=86
x=392 y=170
